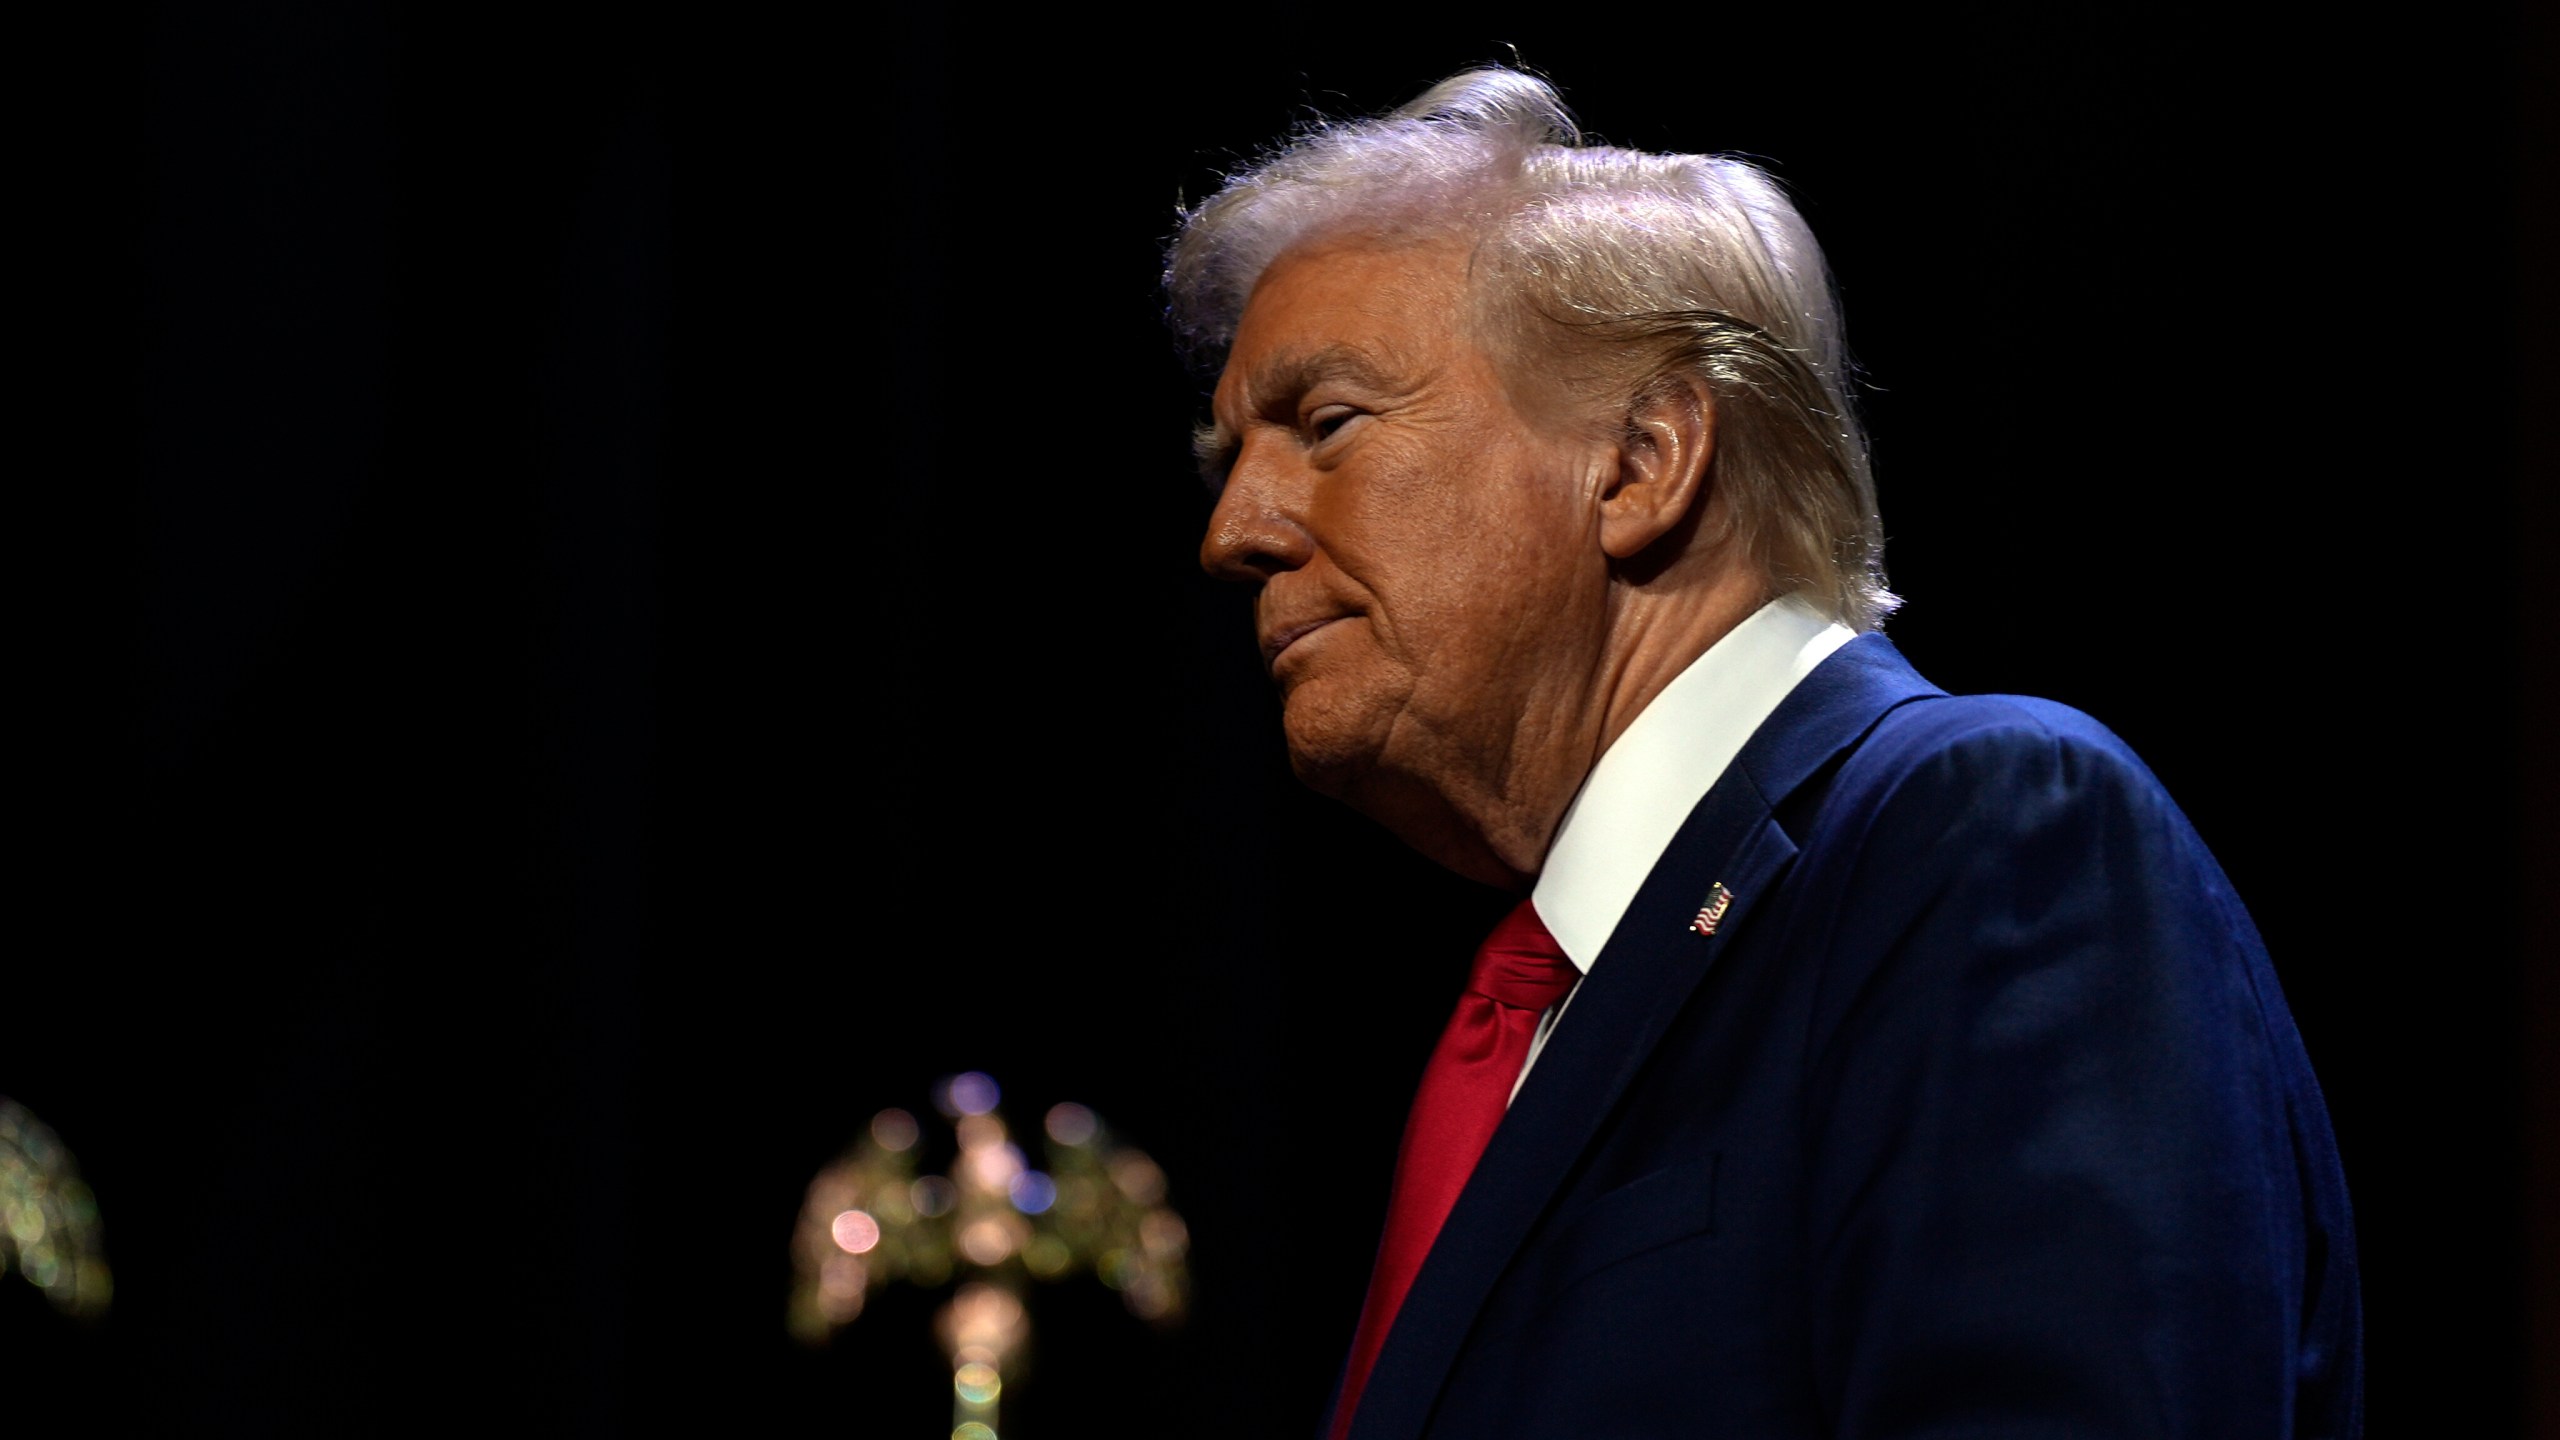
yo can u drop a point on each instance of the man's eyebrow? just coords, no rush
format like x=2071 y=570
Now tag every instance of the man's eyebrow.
x=1292 y=373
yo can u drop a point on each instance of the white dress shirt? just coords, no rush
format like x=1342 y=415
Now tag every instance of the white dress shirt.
x=1664 y=763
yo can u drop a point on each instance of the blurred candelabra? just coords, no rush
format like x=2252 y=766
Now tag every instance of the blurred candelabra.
x=992 y=1224
x=48 y=1220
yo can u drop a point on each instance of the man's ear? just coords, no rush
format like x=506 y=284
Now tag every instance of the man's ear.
x=1662 y=466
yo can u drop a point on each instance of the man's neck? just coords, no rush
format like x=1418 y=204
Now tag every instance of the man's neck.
x=1498 y=829
x=1663 y=636
x=1653 y=776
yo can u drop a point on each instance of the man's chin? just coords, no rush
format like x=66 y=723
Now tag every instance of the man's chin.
x=1330 y=770
x=1331 y=746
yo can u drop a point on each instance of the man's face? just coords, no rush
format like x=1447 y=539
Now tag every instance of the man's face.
x=1432 y=587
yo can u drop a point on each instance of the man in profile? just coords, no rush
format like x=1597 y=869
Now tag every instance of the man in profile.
x=1864 y=1061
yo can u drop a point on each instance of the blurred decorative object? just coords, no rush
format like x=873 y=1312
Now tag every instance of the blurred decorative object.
x=48 y=1219
x=994 y=1223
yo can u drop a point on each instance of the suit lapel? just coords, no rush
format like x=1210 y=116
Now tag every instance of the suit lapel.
x=1652 y=962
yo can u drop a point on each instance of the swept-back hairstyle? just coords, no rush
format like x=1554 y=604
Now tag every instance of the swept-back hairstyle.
x=1614 y=271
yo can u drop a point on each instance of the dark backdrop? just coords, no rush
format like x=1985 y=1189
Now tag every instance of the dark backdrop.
x=658 y=617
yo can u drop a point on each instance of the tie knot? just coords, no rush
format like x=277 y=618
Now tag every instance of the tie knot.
x=1521 y=965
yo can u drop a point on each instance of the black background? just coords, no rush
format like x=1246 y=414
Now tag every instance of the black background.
x=658 y=616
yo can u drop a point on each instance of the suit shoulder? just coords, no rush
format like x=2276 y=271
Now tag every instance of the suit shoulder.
x=1959 y=815
x=1994 y=745
x=1992 y=723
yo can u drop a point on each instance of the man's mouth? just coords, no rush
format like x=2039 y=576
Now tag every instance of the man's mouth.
x=1281 y=639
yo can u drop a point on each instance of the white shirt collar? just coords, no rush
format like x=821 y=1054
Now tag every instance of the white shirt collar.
x=1648 y=781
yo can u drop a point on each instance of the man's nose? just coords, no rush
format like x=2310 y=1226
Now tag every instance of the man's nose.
x=1257 y=529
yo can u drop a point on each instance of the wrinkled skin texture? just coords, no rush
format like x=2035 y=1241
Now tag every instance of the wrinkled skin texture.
x=1441 y=603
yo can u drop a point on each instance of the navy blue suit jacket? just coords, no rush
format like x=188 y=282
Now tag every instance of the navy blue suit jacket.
x=1980 y=1114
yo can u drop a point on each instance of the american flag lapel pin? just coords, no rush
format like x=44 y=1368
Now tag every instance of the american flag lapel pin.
x=1711 y=914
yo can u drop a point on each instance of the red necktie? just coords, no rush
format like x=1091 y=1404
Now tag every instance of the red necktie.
x=1519 y=972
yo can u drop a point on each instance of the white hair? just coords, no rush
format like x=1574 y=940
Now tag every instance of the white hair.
x=1644 y=269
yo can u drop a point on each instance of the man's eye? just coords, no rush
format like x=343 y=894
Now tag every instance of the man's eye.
x=1324 y=422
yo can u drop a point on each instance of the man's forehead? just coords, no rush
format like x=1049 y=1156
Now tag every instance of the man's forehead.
x=1350 y=280
x=1363 y=311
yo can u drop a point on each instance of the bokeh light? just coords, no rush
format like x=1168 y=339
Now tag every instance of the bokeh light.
x=841 y=1282
x=856 y=1232
x=976 y=1383
x=25 y=1221
x=986 y=1242
x=1149 y=1297
x=1033 y=1193
x=982 y=1321
x=1138 y=1177
x=994 y=1168
x=972 y=1430
x=977 y=1132
x=1047 y=1257
x=49 y=1229
x=1163 y=1233
x=972 y=1094
x=1095 y=1207
x=894 y=1130
x=1071 y=1124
